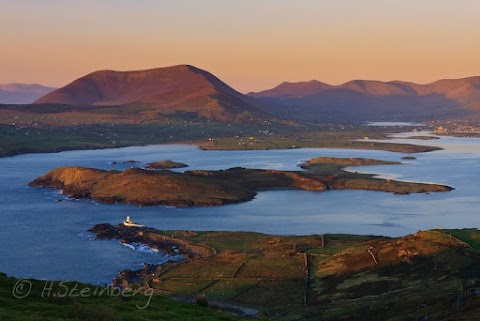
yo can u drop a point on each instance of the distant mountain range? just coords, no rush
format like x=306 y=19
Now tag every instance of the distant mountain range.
x=372 y=100
x=177 y=90
x=186 y=91
x=22 y=93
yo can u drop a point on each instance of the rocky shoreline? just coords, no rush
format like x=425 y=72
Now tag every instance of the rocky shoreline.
x=150 y=237
x=173 y=245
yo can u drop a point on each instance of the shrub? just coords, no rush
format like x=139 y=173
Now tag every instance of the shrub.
x=90 y=313
x=202 y=300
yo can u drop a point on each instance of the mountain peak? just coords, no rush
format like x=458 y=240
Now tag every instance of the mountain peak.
x=293 y=90
x=181 y=88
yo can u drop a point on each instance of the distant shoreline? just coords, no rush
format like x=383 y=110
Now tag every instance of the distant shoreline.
x=410 y=148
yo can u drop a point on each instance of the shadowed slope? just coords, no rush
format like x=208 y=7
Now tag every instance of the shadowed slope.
x=375 y=100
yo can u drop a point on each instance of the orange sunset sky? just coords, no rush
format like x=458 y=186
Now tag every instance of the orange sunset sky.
x=251 y=45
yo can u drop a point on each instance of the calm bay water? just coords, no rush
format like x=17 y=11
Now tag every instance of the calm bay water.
x=47 y=239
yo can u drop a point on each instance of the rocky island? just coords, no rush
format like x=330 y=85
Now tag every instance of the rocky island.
x=166 y=164
x=209 y=187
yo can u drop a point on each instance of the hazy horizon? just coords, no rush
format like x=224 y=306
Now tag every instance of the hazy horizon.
x=251 y=46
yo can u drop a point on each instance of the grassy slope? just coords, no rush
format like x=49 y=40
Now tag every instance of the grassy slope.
x=343 y=282
x=469 y=236
x=103 y=308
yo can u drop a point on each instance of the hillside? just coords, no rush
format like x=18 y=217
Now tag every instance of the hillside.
x=375 y=100
x=22 y=93
x=179 y=89
x=94 y=303
x=427 y=275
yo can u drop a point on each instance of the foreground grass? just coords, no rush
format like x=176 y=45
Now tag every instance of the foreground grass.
x=100 y=308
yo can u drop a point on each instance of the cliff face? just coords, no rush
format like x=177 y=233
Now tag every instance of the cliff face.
x=142 y=187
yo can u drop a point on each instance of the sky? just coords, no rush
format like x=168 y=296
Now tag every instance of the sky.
x=251 y=45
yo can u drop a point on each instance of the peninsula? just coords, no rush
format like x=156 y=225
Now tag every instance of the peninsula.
x=315 y=277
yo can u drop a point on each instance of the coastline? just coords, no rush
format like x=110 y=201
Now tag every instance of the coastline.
x=410 y=148
x=247 y=274
x=377 y=269
x=227 y=145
